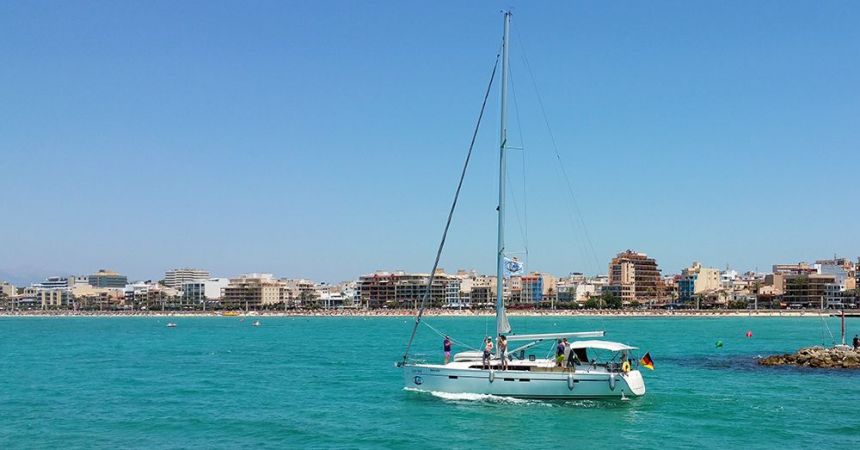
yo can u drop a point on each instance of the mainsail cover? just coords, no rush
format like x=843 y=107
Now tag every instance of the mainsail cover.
x=502 y=324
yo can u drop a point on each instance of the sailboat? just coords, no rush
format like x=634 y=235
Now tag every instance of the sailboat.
x=524 y=375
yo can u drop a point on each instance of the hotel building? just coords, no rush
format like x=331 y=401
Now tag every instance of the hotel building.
x=405 y=290
x=252 y=291
x=634 y=276
x=107 y=279
x=177 y=277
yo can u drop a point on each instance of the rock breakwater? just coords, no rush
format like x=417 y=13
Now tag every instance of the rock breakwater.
x=818 y=357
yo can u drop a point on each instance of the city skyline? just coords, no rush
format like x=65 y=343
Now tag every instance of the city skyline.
x=164 y=275
x=301 y=141
x=634 y=280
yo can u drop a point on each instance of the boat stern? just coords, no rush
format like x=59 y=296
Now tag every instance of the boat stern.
x=635 y=382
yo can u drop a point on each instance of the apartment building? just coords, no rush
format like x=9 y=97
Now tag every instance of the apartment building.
x=697 y=279
x=405 y=290
x=107 y=279
x=252 y=291
x=634 y=276
x=175 y=278
x=203 y=291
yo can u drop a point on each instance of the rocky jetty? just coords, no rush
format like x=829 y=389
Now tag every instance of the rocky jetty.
x=819 y=357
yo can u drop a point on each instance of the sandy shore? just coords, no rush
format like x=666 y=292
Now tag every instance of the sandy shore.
x=429 y=312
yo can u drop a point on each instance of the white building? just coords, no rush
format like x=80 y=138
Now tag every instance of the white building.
x=331 y=300
x=177 y=277
x=62 y=282
x=727 y=278
x=200 y=291
x=352 y=295
x=843 y=273
x=577 y=288
x=342 y=295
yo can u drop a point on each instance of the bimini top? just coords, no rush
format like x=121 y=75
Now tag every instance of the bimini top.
x=602 y=345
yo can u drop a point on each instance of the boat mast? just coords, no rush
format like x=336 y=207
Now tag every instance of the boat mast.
x=843 y=327
x=501 y=321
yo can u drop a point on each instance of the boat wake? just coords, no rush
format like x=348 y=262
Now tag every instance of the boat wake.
x=468 y=398
x=481 y=398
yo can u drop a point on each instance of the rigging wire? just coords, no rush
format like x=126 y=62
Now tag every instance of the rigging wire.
x=826 y=327
x=450 y=214
x=557 y=155
x=456 y=341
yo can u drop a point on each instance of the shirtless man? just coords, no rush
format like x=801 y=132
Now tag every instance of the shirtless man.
x=503 y=351
x=488 y=352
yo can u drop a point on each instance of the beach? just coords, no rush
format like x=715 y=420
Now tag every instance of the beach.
x=433 y=313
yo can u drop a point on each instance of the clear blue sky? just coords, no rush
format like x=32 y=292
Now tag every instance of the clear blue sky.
x=324 y=139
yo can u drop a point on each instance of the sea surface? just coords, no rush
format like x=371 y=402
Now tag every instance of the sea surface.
x=300 y=382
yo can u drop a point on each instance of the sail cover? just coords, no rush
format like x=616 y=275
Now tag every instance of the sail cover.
x=502 y=324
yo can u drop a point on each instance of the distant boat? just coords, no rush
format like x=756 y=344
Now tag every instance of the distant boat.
x=256 y=323
x=171 y=325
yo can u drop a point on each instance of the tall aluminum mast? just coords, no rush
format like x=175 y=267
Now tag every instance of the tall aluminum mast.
x=502 y=325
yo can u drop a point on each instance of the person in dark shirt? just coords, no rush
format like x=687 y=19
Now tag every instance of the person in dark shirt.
x=856 y=342
x=446 y=346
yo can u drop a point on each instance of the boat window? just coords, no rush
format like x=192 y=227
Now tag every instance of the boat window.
x=524 y=379
x=453 y=377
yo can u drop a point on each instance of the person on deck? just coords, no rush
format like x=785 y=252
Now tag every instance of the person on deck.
x=559 y=353
x=566 y=352
x=503 y=351
x=856 y=342
x=571 y=360
x=488 y=351
x=446 y=346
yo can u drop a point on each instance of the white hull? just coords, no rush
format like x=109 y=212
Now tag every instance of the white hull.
x=589 y=383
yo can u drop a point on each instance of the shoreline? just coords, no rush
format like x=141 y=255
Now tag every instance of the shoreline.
x=427 y=313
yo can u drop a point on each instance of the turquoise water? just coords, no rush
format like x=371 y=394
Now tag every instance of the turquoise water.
x=331 y=382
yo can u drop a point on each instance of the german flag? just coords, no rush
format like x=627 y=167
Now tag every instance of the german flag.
x=646 y=361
